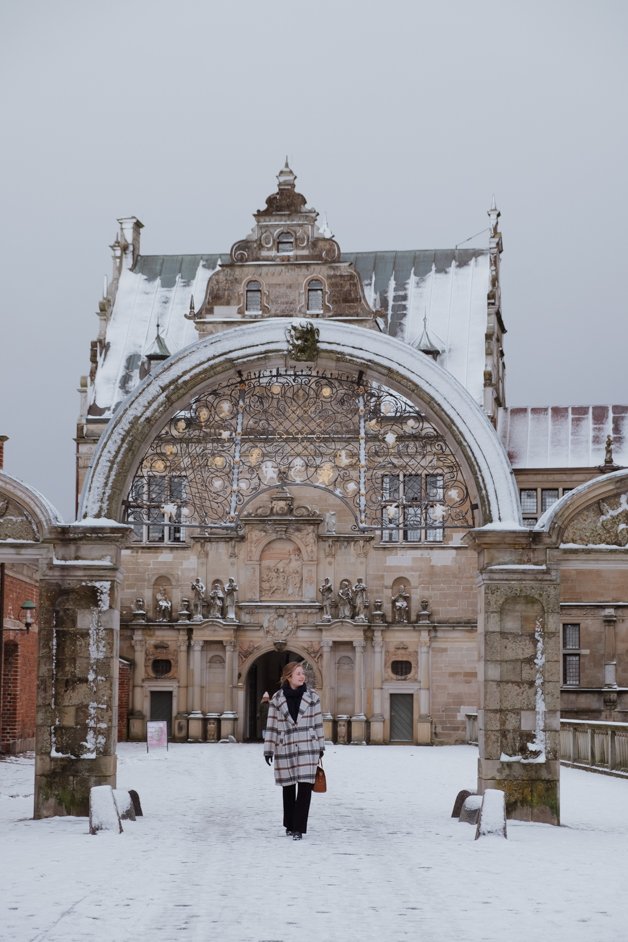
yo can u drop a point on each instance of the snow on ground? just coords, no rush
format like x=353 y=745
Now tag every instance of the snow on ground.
x=382 y=860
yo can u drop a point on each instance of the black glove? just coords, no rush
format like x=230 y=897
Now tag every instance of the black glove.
x=269 y=760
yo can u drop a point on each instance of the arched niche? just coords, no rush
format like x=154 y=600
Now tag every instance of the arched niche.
x=214 y=360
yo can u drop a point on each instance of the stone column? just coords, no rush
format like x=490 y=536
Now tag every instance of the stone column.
x=424 y=726
x=519 y=672
x=610 y=647
x=377 y=719
x=195 y=717
x=229 y=716
x=358 y=720
x=181 y=719
x=77 y=690
x=328 y=719
x=137 y=719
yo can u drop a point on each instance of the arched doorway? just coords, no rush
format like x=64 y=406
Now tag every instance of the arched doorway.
x=264 y=674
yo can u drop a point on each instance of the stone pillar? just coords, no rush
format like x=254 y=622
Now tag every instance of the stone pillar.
x=77 y=690
x=424 y=726
x=328 y=720
x=229 y=716
x=137 y=719
x=610 y=647
x=181 y=719
x=358 y=720
x=377 y=719
x=195 y=717
x=519 y=672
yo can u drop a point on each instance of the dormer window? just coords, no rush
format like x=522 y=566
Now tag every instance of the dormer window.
x=314 y=296
x=285 y=243
x=253 y=298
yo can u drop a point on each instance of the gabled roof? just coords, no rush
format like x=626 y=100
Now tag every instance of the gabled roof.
x=447 y=287
x=564 y=436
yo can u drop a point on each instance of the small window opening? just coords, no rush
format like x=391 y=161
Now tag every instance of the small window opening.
x=285 y=243
x=401 y=668
x=253 y=297
x=315 y=296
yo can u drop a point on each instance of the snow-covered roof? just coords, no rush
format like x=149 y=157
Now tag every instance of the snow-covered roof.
x=445 y=289
x=564 y=436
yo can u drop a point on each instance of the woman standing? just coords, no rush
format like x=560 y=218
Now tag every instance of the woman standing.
x=294 y=739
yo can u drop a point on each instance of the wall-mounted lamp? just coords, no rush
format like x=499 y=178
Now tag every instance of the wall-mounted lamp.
x=28 y=611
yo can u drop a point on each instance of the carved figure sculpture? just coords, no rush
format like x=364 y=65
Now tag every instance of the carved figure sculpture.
x=230 y=599
x=164 y=605
x=216 y=600
x=345 y=600
x=198 y=590
x=327 y=593
x=360 y=601
x=401 y=606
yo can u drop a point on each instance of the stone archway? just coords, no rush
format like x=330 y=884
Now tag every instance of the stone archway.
x=262 y=673
x=263 y=346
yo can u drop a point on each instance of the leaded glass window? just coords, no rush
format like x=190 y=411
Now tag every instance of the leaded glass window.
x=369 y=446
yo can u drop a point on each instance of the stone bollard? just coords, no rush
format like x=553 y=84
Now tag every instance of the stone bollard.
x=124 y=804
x=470 y=811
x=492 y=818
x=103 y=812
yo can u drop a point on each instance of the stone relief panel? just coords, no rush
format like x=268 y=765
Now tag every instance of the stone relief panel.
x=605 y=523
x=281 y=571
x=15 y=523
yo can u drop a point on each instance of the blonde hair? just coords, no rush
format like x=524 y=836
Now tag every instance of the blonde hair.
x=288 y=670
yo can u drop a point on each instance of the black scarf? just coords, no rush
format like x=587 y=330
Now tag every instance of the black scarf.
x=293 y=699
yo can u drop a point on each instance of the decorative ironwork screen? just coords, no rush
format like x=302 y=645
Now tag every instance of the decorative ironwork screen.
x=368 y=445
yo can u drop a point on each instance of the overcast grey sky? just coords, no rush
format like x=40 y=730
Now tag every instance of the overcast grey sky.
x=400 y=118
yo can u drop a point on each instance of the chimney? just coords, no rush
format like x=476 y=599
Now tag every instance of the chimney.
x=3 y=439
x=129 y=239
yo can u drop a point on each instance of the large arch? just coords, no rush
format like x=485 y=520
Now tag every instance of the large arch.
x=388 y=361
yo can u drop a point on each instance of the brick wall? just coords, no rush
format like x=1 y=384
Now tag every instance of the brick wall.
x=19 y=675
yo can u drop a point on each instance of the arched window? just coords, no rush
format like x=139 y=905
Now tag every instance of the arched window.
x=285 y=243
x=253 y=298
x=315 y=296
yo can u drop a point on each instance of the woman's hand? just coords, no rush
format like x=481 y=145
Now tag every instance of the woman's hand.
x=269 y=760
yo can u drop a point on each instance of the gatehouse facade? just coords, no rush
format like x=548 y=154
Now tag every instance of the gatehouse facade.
x=290 y=452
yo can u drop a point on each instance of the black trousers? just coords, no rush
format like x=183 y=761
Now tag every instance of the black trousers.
x=296 y=806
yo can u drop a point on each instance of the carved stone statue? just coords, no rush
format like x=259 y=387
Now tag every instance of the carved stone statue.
x=401 y=606
x=198 y=590
x=163 y=605
x=216 y=600
x=345 y=600
x=360 y=601
x=230 y=599
x=327 y=593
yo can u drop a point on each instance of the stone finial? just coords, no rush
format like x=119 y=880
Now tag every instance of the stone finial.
x=286 y=179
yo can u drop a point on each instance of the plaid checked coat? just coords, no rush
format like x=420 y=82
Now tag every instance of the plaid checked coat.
x=295 y=746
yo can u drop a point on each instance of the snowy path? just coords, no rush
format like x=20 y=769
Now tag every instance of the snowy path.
x=383 y=859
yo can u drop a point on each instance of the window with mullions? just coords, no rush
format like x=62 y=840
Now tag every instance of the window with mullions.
x=154 y=508
x=285 y=243
x=412 y=508
x=571 y=655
